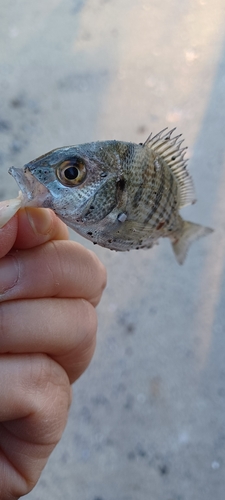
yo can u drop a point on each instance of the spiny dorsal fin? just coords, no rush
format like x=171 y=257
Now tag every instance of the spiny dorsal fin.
x=169 y=148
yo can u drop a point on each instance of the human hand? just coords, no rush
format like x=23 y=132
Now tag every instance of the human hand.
x=49 y=287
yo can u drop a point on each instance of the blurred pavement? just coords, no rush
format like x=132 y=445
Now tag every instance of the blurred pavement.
x=148 y=416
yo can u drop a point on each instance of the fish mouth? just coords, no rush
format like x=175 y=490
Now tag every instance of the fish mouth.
x=34 y=193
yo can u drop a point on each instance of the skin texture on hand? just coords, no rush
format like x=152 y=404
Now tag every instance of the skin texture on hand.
x=49 y=288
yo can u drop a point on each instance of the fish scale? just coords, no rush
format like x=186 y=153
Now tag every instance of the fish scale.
x=120 y=195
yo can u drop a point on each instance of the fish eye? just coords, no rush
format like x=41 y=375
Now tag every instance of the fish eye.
x=71 y=172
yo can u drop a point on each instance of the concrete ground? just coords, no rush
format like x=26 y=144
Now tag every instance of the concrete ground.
x=148 y=416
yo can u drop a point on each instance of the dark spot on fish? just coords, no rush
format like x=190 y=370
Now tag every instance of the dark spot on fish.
x=94 y=242
x=109 y=241
x=86 y=214
x=121 y=184
x=90 y=233
x=173 y=158
x=140 y=143
x=138 y=195
x=92 y=207
x=103 y=174
x=160 y=225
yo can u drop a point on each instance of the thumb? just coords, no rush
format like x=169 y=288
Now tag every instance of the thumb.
x=29 y=228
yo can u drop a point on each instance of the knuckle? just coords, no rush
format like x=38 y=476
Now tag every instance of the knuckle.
x=53 y=265
x=51 y=397
x=80 y=340
x=4 y=320
x=45 y=374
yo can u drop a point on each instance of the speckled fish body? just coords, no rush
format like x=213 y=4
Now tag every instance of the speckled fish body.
x=119 y=195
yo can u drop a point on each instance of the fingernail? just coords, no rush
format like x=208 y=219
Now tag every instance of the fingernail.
x=8 y=208
x=40 y=220
x=8 y=273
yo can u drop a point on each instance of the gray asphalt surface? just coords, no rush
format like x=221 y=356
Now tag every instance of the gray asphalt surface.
x=148 y=416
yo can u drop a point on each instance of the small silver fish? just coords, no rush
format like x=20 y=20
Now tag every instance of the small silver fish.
x=120 y=195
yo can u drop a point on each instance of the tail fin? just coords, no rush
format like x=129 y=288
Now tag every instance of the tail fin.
x=190 y=233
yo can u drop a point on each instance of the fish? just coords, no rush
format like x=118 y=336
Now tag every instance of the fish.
x=120 y=195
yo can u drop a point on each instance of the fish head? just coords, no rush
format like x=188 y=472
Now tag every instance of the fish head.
x=78 y=182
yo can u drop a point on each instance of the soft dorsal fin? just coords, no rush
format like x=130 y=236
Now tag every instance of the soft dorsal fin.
x=169 y=148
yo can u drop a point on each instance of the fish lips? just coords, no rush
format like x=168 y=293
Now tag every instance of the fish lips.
x=34 y=193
